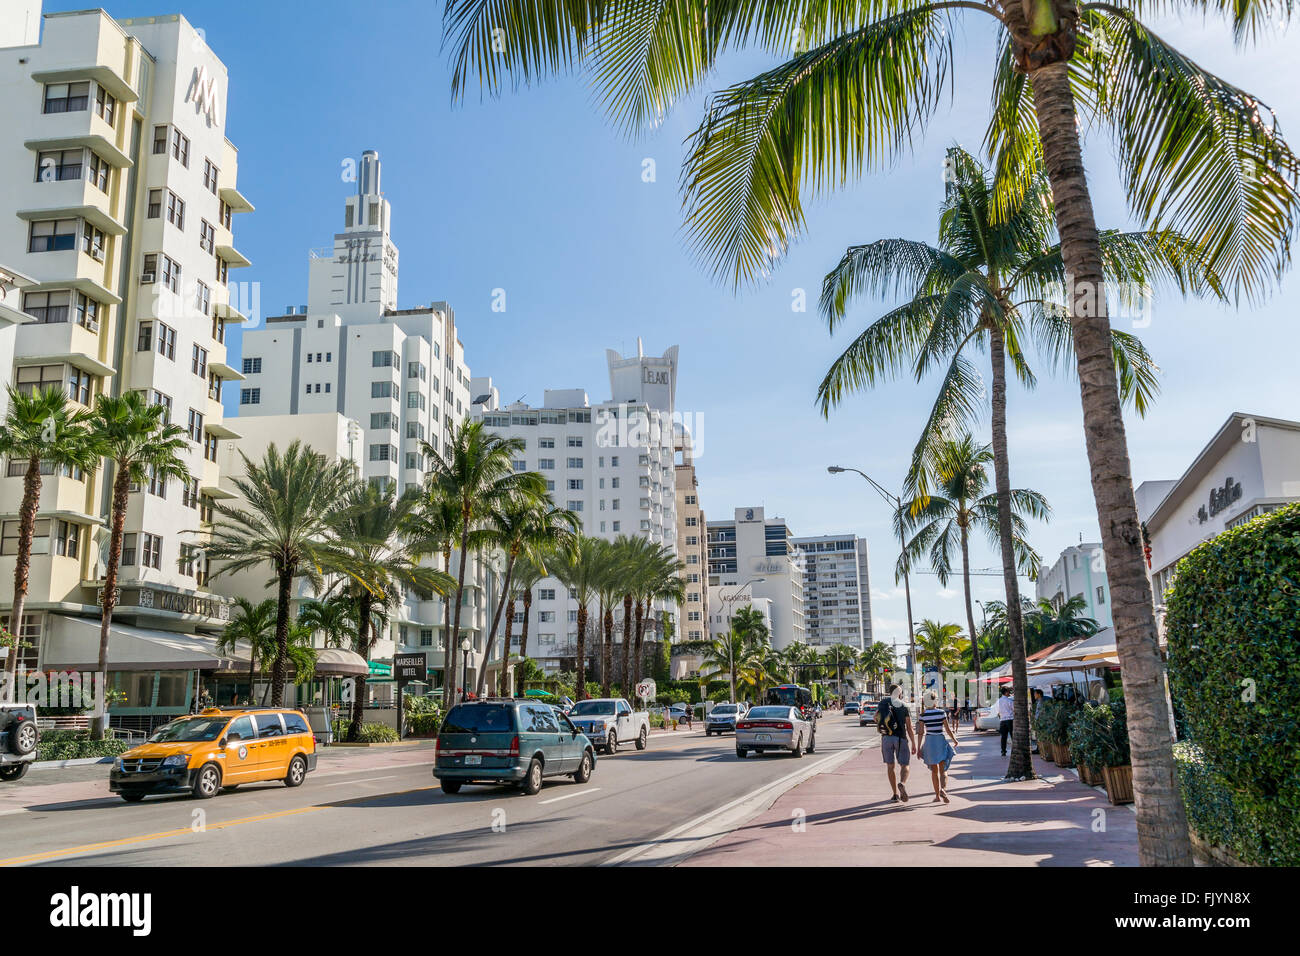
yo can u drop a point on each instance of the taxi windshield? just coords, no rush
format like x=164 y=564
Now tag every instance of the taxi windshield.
x=190 y=729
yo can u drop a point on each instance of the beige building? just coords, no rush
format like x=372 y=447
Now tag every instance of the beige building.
x=120 y=208
x=692 y=543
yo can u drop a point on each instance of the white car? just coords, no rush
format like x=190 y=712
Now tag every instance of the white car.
x=775 y=727
x=986 y=718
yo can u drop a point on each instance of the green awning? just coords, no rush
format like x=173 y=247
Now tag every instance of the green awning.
x=537 y=693
x=380 y=669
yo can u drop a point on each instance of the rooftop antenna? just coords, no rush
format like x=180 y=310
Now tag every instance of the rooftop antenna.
x=640 y=352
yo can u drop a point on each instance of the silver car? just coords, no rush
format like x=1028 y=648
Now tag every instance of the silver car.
x=775 y=727
x=722 y=719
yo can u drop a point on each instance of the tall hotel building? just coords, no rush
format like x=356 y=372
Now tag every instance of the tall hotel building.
x=692 y=543
x=612 y=464
x=118 y=217
x=753 y=560
x=837 y=590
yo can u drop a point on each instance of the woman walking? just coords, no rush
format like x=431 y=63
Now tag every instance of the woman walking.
x=934 y=731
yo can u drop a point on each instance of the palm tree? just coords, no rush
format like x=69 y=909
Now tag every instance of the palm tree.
x=610 y=583
x=381 y=559
x=877 y=661
x=660 y=579
x=138 y=441
x=290 y=501
x=333 y=618
x=528 y=575
x=636 y=557
x=525 y=525
x=730 y=657
x=942 y=524
x=254 y=625
x=579 y=569
x=750 y=622
x=47 y=431
x=1056 y=621
x=940 y=645
x=1197 y=155
x=840 y=655
x=436 y=527
x=478 y=475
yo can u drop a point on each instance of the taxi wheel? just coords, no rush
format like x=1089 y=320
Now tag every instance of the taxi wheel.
x=640 y=741
x=208 y=782
x=532 y=784
x=450 y=787
x=584 y=768
x=133 y=797
x=297 y=772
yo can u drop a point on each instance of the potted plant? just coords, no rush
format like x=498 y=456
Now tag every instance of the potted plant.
x=1080 y=735
x=1043 y=731
x=1102 y=734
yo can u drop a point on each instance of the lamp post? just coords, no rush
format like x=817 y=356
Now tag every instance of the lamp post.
x=897 y=502
x=465 y=646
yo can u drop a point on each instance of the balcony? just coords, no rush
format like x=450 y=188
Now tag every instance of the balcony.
x=97 y=141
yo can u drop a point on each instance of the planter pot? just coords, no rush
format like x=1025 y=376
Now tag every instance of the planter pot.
x=1052 y=752
x=1089 y=776
x=1119 y=783
x=1044 y=749
x=1063 y=758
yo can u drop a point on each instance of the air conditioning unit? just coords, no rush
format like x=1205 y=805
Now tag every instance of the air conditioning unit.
x=147 y=278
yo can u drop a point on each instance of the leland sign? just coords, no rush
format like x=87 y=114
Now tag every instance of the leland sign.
x=655 y=376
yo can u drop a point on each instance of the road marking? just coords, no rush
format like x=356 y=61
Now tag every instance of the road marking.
x=182 y=831
x=568 y=796
x=677 y=844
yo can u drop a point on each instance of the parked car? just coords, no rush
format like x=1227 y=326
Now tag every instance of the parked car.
x=216 y=749
x=776 y=727
x=850 y=708
x=986 y=718
x=18 y=739
x=722 y=719
x=608 y=721
x=514 y=742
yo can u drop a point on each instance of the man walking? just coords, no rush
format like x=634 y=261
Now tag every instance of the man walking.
x=897 y=740
x=1006 y=712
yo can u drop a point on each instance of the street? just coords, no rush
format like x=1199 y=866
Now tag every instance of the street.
x=383 y=806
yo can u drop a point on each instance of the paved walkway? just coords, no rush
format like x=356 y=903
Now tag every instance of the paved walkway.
x=848 y=820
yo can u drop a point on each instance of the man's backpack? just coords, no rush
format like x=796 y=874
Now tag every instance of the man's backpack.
x=889 y=722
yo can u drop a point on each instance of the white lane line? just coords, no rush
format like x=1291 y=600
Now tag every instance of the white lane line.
x=677 y=844
x=568 y=796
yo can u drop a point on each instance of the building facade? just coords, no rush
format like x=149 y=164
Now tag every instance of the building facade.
x=612 y=464
x=1079 y=571
x=837 y=590
x=753 y=557
x=692 y=543
x=1250 y=467
x=121 y=210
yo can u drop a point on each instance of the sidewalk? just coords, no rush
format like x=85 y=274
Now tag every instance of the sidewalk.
x=849 y=820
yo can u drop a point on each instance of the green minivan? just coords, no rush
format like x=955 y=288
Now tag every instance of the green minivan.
x=509 y=741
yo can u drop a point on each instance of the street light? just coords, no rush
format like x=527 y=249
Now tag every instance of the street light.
x=465 y=646
x=897 y=502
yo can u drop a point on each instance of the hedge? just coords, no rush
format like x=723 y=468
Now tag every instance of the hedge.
x=76 y=745
x=1233 y=624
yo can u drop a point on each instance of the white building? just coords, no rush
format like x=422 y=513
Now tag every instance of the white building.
x=1250 y=467
x=1079 y=571
x=692 y=546
x=612 y=464
x=120 y=205
x=837 y=590
x=752 y=558
x=401 y=373
x=12 y=284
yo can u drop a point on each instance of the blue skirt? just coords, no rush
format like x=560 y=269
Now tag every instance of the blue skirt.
x=936 y=749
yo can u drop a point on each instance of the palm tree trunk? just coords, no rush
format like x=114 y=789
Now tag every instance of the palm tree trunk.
x=970 y=611
x=252 y=668
x=629 y=689
x=580 y=691
x=640 y=638
x=1020 y=764
x=480 y=683
x=448 y=654
x=364 y=643
x=121 y=492
x=505 y=653
x=281 y=636
x=1161 y=818
x=454 y=644
x=523 y=634
x=23 y=564
x=607 y=652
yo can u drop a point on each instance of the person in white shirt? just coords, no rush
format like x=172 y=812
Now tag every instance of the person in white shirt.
x=1006 y=714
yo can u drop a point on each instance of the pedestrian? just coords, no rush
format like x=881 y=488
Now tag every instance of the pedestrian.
x=897 y=740
x=934 y=732
x=1006 y=713
x=690 y=717
x=1036 y=711
x=965 y=711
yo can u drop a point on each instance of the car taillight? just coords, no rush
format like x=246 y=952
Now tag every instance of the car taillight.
x=514 y=746
x=743 y=725
x=783 y=725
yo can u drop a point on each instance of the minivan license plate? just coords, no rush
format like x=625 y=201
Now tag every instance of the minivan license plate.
x=473 y=760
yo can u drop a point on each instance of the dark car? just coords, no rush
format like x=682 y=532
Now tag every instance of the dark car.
x=516 y=742
x=18 y=739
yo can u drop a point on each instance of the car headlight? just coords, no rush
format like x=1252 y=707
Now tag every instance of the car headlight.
x=176 y=760
x=117 y=763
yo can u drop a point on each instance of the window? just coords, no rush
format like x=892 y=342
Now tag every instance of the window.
x=31 y=379
x=613 y=482
x=207 y=237
x=1101 y=595
x=382 y=452
x=67 y=535
x=250 y=396
x=166 y=341
x=415 y=400
x=203 y=302
x=80 y=385
x=575 y=484
x=195 y=427
x=546 y=443
x=181 y=147
x=223 y=271
x=573 y=463
x=252 y=366
x=546 y=464
x=413 y=461
x=66 y=97
x=210 y=442
x=199 y=361
x=415 y=430
x=690 y=499
x=381 y=389
x=519 y=464
x=546 y=594
x=692 y=522
x=190 y=488
x=52 y=235
x=209 y=176
x=574 y=505
x=416 y=370
x=128 y=551
x=59 y=164
x=613 y=463
x=616 y=526
x=171 y=271
x=159 y=140
x=105 y=104
x=98 y=173
x=175 y=210
x=151 y=551
x=575 y=441
x=617 y=505
x=92 y=242
x=384 y=359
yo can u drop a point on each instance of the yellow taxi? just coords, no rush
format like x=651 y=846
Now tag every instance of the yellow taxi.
x=219 y=748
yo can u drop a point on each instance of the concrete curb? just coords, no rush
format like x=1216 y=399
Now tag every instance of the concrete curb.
x=77 y=762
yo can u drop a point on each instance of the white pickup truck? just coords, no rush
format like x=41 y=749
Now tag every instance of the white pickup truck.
x=609 y=721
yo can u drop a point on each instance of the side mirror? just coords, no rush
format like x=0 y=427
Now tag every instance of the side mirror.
x=223 y=743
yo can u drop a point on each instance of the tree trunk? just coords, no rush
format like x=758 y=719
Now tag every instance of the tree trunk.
x=365 y=641
x=629 y=688
x=448 y=654
x=640 y=639
x=454 y=647
x=23 y=564
x=121 y=493
x=1161 y=818
x=580 y=691
x=607 y=651
x=1020 y=763
x=523 y=634
x=480 y=682
x=281 y=637
x=505 y=654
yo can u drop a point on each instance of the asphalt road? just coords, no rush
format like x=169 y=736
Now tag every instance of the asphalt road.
x=685 y=788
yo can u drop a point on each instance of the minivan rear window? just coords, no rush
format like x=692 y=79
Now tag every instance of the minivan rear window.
x=479 y=719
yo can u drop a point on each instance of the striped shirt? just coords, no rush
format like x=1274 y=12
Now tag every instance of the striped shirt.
x=933 y=720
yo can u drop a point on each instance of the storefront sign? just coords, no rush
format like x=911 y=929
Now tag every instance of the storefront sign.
x=1221 y=499
x=409 y=668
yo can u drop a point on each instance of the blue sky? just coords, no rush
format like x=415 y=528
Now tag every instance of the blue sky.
x=537 y=195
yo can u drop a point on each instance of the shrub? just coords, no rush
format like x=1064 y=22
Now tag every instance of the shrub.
x=421 y=715
x=1098 y=735
x=1233 y=624
x=1053 y=721
x=76 y=745
x=376 y=733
